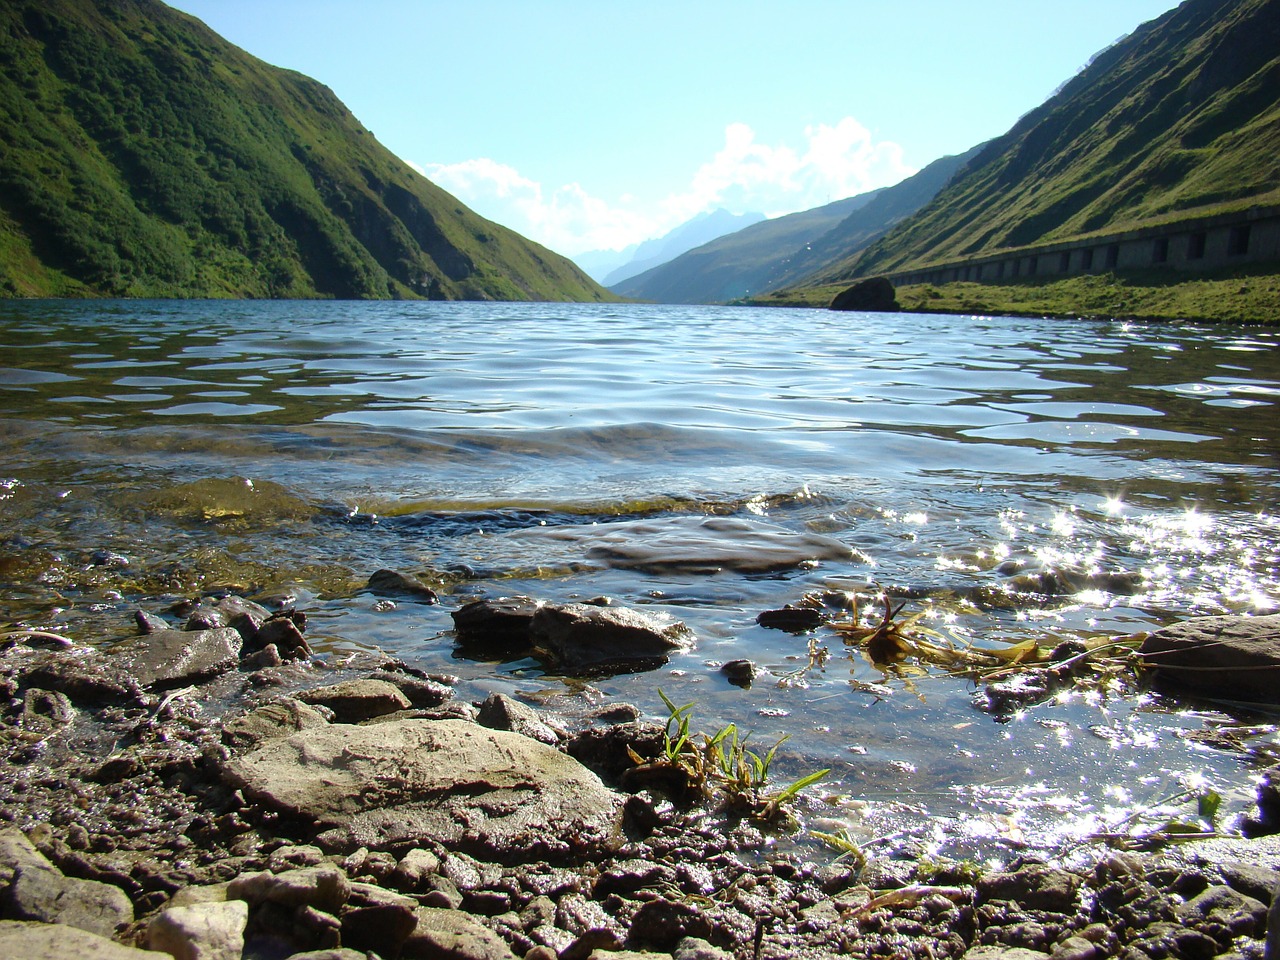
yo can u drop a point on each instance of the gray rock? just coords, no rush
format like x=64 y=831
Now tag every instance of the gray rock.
x=280 y=718
x=175 y=658
x=1243 y=916
x=378 y=920
x=390 y=583
x=999 y=952
x=55 y=941
x=203 y=931
x=662 y=923
x=503 y=620
x=580 y=636
x=500 y=712
x=325 y=888
x=32 y=888
x=873 y=295
x=337 y=953
x=453 y=935
x=1229 y=657
x=423 y=692
x=692 y=948
x=408 y=782
x=1034 y=885
x=149 y=622
x=286 y=635
x=354 y=700
x=414 y=868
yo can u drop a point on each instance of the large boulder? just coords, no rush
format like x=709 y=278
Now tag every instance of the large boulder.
x=584 y=637
x=1229 y=657
x=875 y=294
x=55 y=941
x=406 y=783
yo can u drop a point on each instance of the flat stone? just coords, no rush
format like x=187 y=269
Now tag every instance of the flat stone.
x=454 y=935
x=325 y=888
x=32 y=940
x=269 y=721
x=203 y=931
x=1230 y=657
x=498 y=620
x=407 y=783
x=175 y=658
x=354 y=700
x=32 y=888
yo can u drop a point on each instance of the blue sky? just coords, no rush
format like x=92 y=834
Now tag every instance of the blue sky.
x=592 y=124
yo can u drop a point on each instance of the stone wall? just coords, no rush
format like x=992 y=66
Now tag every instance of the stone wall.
x=1205 y=243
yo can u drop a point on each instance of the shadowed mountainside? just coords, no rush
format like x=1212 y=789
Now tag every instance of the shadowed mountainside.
x=770 y=254
x=146 y=156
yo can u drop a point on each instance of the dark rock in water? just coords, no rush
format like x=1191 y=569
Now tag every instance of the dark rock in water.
x=578 y=636
x=504 y=620
x=875 y=294
x=284 y=631
x=389 y=583
x=1024 y=688
x=176 y=658
x=404 y=783
x=205 y=618
x=149 y=622
x=792 y=619
x=354 y=700
x=741 y=673
x=1230 y=657
x=500 y=712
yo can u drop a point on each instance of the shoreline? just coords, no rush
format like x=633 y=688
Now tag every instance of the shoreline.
x=123 y=771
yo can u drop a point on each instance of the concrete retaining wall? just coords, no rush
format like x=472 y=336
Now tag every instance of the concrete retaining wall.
x=1206 y=243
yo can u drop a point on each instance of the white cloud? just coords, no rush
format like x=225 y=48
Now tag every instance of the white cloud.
x=835 y=162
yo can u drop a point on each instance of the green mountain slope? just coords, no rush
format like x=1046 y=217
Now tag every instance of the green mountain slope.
x=769 y=255
x=142 y=155
x=735 y=265
x=1179 y=119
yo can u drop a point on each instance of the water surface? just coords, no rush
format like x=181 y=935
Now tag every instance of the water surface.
x=150 y=450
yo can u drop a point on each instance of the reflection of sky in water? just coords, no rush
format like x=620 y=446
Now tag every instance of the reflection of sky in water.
x=948 y=454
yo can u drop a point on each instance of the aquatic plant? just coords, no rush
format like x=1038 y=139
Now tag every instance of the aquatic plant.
x=721 y=764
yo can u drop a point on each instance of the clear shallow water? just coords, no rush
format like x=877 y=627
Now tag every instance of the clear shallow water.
x=493 y=449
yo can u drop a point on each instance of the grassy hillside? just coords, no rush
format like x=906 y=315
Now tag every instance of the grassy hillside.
x=737 y=264
x=768 y=255
x=1250 y=295
x=145 y=156
x=1181 y=118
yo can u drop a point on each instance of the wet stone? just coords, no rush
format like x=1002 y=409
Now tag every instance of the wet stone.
x=174 y=658
x=354 y=700
x=501 y=712
x=584 y=637
x=1232 y=657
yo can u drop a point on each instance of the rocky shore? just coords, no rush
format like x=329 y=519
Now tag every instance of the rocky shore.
x=209 y=789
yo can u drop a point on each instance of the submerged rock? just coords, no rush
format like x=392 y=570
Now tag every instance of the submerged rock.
x=580 y=636
x=408 y=783
x=1230 y=657
x=391 y=583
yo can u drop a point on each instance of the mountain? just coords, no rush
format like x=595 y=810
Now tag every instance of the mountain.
x=703 y=228
x=143 y=155
x=1180 y=119
x=598 y=264
x=772 y=254
x=729 y=266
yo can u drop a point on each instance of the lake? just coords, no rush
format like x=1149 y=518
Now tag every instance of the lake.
x=152 y=450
